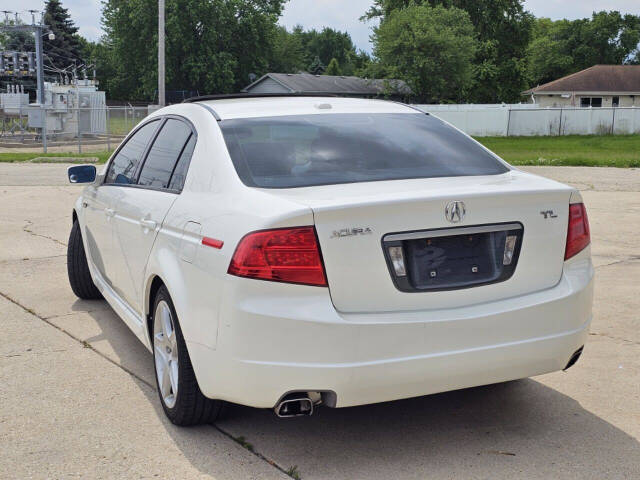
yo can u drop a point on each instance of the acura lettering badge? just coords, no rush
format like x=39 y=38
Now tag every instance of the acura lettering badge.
x=455 y=211
x=351 y=232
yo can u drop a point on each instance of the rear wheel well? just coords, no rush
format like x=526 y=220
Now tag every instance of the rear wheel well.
x=156 y=283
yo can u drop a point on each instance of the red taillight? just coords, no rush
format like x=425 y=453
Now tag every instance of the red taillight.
x=578 y=236
x=289 y=255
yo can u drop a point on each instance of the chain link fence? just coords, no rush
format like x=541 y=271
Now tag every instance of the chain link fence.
x=101 y=129
x=66 y=130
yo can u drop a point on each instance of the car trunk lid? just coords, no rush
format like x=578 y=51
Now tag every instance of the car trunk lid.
x=356 y=223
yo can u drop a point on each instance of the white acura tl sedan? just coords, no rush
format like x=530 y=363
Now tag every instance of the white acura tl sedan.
x=287 y=252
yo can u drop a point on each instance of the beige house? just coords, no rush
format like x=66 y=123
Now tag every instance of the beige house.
x=597 y=86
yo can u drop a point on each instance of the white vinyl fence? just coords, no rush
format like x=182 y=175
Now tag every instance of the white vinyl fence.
x=530 y=120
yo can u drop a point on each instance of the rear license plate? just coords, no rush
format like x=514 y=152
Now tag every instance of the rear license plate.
x=457 y=258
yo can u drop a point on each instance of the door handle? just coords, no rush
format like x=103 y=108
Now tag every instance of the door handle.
x=109 y=212
x=150 y=224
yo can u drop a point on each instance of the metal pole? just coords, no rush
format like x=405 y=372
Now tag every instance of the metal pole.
x=78 y=128
x=44 y=128
x=613 y=121
x=108 y=135
x=37 y=30
x=39 y=65
x=161 y=73
x=21 y=126
x=560 y=124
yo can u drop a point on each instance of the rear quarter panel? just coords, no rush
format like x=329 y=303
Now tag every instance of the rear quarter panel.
x=214 y=199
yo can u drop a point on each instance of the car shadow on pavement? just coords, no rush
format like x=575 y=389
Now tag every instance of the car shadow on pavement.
x=505 y=430
x=488 y=432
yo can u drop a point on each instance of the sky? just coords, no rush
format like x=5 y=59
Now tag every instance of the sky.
x=337 y=14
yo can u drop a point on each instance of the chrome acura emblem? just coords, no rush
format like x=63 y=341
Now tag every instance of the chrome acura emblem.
x=455 y=211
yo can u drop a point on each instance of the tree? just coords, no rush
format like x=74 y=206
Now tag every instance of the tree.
x=296 y=50
x=211 y=45
x=317 y=67
x=503 y=28
x=547 y=54
x=431 y=48
x=101 y=56
x=329 y=43
x=288 y=53
x=65 y=49
x=325 y=44
x=563 y=47
x=333 y=68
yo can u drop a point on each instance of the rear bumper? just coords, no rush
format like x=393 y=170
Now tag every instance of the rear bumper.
x=269 y=345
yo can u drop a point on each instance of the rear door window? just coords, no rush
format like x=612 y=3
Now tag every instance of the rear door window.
x=180 y=172
x=123 y=167
x=164 y=154
x=322 y=149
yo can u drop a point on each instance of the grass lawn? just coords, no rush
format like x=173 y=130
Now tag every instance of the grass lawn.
x=572 y=150
x=577 y=150
x=24 y=156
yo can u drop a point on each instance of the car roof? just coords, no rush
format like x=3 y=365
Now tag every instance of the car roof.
x=269 y=106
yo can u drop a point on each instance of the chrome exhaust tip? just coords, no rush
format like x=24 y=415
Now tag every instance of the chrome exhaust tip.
x=295 y=405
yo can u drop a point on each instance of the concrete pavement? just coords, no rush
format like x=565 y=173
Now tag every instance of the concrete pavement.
x=78 y=396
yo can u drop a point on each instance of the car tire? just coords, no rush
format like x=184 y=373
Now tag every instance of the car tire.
x=187 y=406
x=77 y=267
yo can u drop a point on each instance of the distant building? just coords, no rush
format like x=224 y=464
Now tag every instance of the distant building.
x=327 y=84
x=597 y=86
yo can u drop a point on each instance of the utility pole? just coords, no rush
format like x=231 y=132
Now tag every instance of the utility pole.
x=39 y=65
x=161 y=93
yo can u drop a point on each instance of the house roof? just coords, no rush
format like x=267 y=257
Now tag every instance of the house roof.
x=341 y=85
x=599 y=78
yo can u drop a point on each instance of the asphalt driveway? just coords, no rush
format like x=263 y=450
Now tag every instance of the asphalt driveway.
x=78 y=398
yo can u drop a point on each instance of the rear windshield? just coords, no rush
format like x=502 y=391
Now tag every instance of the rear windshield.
x=323 y=149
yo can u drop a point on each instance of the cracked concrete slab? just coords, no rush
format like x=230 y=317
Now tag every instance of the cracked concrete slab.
x=578 y=424
x=42 y=285
x=616 y=312
x=93 y=412
x=68 y=413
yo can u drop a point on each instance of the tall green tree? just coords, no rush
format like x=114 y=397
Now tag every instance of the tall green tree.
x=333 y=68
x=503 y=29
x=562 y=47
x=432 y=48
x=288 y=53
x=65 y=49
x=297 y=49
x=327 y=44
x=211 y=45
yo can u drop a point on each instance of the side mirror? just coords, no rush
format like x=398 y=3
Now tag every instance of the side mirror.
x=82 y=174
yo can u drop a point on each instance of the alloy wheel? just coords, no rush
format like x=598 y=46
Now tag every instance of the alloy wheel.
x=165 y=347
